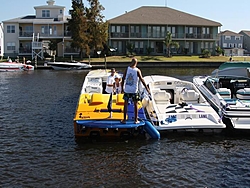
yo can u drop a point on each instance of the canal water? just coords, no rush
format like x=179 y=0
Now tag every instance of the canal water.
x=37 y=146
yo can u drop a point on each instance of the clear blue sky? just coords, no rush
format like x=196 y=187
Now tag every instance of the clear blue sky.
x=233 y=15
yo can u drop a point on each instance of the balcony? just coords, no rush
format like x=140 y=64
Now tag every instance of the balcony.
x=160 y=35
x=45 y=34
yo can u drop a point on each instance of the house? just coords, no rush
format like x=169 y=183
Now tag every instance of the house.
x=1 y=40
x=30 y=35
x=146 y=27
x=246 y=40
x=231 y=43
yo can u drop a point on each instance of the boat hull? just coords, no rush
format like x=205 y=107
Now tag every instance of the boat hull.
x=14 y=67
x=69 y=66
x=177 y=106
x=92 y=118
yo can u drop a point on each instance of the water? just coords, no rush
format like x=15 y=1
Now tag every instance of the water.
x=37 y=147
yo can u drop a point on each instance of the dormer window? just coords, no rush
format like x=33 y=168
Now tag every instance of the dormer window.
x=45 y=13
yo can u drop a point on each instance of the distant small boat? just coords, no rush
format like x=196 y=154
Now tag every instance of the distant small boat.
x=69 y=65
x=14 y=66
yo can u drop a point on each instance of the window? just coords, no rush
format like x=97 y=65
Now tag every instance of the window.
x=118 y=29
x=61 y=11
x=46 y=29
x=211 y=45
x=163 y=33
x=227 y=37
x=206 y=45
x=190 y=30
x=240 y=45
x=11 y=46
x=123 y=29
x=45 y=13
x=224 y=45
x=149 y=31
x=10 y=29
x=202 y=45
x=237 y=38
x=113 y=29
x=132 y=29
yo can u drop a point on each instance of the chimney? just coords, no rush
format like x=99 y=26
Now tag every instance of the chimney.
x=50 y=2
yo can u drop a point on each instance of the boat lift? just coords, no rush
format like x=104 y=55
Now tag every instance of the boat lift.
x=37 y=47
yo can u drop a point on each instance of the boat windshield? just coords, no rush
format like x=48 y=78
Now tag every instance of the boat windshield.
x=210 y=84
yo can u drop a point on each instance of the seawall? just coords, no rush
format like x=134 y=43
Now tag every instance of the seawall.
x=100 y=65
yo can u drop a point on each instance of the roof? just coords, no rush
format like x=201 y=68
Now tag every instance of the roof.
x=161 y=16
x=230 y=33
x=49 y=7
x=34 y=20
x=245 y=32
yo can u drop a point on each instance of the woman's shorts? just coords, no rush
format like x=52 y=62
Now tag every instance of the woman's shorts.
x=133 y=96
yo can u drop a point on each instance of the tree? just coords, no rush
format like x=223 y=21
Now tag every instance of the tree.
x=53 y=45
x=218 y=50
x=97 y=28
x=170 y=43
x=205 y=53
x=78 y=27
x=130 y=48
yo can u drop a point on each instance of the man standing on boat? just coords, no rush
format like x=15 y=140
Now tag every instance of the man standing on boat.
x=109 y=89
x=130 y=85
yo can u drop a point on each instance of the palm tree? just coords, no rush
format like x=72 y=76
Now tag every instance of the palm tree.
x=169 y=43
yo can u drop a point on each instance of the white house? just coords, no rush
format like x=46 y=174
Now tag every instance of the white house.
x=31 y=34
x=1 y=40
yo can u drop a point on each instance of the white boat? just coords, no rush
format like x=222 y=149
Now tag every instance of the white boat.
x=14 y=66
x=69 y=65
x=177 y=106
x=232 y=69
x=229 y=96
x=92 y=117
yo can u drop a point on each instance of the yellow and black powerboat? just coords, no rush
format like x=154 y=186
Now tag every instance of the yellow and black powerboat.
x=92 y=119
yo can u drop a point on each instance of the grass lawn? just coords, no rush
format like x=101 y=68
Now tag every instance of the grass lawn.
x=166 y=59
x=155 y=59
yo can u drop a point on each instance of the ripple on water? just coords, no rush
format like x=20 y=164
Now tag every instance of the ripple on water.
x=38 y=149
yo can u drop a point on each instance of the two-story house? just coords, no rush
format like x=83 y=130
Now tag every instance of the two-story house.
x=146 y=27
x=246 y=40
x=1 y=40
x=231 y=43
x=30 y=35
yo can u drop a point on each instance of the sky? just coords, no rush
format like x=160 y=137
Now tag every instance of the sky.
x=233 y=15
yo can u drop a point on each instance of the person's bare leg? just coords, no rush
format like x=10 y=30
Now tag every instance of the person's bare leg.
x=125 y=109
x=136 y=111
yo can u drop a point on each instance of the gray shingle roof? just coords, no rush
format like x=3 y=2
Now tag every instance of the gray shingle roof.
x=245 y=32
x=229 y=33
x=161 y=16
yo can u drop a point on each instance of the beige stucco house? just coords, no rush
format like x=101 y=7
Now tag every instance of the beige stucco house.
x=31 y=34
x=146 y=27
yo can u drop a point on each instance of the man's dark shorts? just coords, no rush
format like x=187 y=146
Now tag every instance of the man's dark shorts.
x=133 y=96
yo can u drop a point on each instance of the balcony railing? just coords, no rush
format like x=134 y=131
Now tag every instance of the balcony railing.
x=58 y=33
x=161 y=35
x=25 y=50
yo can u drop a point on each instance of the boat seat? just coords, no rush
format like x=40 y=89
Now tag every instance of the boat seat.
x=243 y=94
x=96 y=99
x=224 y=93
x=190 y=96
x=162 y=97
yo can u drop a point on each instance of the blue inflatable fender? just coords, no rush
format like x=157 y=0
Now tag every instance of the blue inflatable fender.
x=151 y=130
